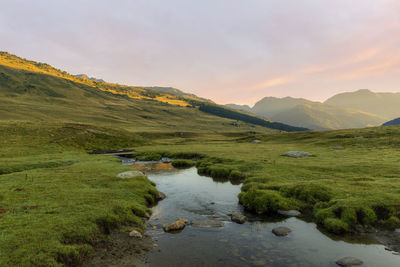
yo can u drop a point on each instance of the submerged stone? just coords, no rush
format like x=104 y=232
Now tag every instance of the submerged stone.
x=349 y=261
x=207 y=224
x=289 y=213
x=281 y=231
x=238 y=218
x=176 y=226
x=297 y=154
x=129 y=174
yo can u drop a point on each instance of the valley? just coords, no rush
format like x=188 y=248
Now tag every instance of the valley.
x=58 y=202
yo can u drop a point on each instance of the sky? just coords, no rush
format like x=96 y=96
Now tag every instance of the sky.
x=230 y=51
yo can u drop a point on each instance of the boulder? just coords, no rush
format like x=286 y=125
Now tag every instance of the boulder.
x=256 y=142
x=297 y=154
x=176 y=226
x=238 y=218
x=289 y=213
x=281 y=231
x=129 y=174
x=135 y=234
x=348 y=261
x=207 y=224
x=337 y=147
x=160 y=196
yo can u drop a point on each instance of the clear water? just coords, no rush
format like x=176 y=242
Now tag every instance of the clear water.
x=195 y=197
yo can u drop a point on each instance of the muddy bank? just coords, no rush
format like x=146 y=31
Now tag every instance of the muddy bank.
x=120 y=249
x=390 y=239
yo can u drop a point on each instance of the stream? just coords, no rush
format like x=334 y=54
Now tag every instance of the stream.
x=198 y=198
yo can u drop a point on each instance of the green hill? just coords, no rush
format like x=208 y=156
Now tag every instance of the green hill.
x=321 y=116
x=37 y=91
x=385 y=105
x=313 y=115
x=392 y=122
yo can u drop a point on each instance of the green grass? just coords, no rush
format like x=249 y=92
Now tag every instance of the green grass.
x=56 y=201
x=342 y=190
x=183 y=163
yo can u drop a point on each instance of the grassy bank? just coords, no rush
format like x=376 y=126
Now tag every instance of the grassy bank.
x=344 y=190
x=56 y=200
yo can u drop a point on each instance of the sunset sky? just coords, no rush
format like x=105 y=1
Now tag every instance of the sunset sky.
x=230 y=51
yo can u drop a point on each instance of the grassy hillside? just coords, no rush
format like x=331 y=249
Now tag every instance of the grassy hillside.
x=37 y=91
x=320 y=116
x=271 y=106
x=313 y=115
x=41 y=97
x=392 y=122
x=385 y=105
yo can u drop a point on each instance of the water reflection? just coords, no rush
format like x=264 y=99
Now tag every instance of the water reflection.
x=194 y=197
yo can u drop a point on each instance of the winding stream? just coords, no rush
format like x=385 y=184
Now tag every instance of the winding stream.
x=198 y=198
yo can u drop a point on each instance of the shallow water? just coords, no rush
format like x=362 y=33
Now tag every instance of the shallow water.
x=195 y=197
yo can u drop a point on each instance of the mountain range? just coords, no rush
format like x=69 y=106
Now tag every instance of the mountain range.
x=39 y=92
x=362 y=108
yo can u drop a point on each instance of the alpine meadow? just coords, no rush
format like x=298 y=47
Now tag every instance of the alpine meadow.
x=98 y=173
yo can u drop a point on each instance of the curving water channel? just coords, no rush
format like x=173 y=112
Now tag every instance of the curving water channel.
x=198 y=198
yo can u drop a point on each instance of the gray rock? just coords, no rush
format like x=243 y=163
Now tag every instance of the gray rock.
x=238 y=218
x=337 y=147
x=160 y=196
x=348 y=261
x=256 y=142
x=289 y=213
x=135 y=234
x=297 y=154
x=166 y=160
x=281 y=231
x=360 y=137
x=207 y=224
x=176 y=226
x=129 y=174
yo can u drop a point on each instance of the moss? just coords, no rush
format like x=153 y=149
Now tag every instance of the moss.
x=263 y=201
x=322 y=214
x=149 y=156
x=392 y=223
x=309 y=193
x=366 y=216
x=183 y=163
x=349 y=216
x=186 y=155
x=236 y=175
x=335 y=226
x=219 y=172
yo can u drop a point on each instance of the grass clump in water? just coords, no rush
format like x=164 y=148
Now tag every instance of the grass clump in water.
x=264 y=201
x=183 y=163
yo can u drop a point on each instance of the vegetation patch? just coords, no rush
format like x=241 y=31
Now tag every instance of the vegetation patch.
x=183 y=163
x=56 y=201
